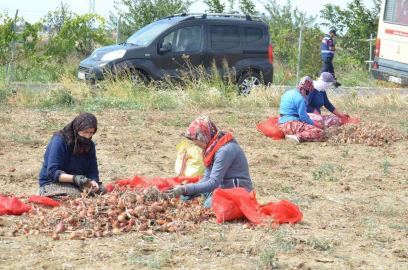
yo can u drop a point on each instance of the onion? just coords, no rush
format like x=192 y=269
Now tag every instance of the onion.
x=122 y=217
x=55 y=237
x=99 y=234
x=106 y=233
x=82 y=214
x=158 y=208
x=161 y=222
x=151 y=216
x=172 y=229
x=132 y=222
x=112 y=214
x=60 y=227
x=142 y=219
x=115 y=224
x=165 y=204
x=139 y=209
x=143 y=227
x=121 y=205
x=116 y=231
x=139 y=199
x=71 y=220
x=73 y=236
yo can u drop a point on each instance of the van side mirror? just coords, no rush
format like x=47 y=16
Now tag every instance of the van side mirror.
x=166 y=47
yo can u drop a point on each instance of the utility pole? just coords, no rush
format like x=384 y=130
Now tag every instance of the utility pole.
x=13 y=46
x=91 y=7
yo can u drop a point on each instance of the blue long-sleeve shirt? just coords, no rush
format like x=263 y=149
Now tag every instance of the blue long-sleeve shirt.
x=293 y=107
x=229 y=163
x=317 y=100
x=58 y=158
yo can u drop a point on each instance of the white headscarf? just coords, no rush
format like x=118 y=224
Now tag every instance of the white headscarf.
x=320 y=85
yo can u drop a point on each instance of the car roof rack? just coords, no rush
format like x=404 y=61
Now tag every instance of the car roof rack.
x=204 y=15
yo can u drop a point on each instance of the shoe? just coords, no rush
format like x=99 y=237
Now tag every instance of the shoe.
x=292 y=138
x=337 y=84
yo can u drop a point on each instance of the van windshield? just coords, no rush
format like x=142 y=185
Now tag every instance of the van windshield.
x=148 y=33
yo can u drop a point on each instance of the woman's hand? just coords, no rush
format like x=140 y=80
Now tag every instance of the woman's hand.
x=316 y=112
x=94 y=186
x=318 y=124
x=344 y=115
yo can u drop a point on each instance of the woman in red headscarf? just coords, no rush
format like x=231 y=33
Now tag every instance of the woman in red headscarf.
x=70 y=164
x=226 y=164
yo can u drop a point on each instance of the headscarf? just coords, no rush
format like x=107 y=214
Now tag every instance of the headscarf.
x=306 y=83
x=203 y=129
x=78 y=144
x=320 y=85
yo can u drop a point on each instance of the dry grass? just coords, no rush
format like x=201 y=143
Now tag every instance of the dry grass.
x=364 y=227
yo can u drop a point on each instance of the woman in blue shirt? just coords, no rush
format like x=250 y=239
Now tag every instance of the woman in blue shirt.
x=70 y=163
x=318 y=98
x=294 y=120
x=226 y=163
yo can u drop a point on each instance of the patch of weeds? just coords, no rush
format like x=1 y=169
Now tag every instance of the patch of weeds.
x=267 y=257
x=346 y=151
x=303 y=156
x=299 y=201
x=398 y=227
x=385 y=165
x=283 y=241
x=284 y=189
x=318 y=244
x=22 y=139
x=327 y=172
x=177 y=121
x=157 y=260
x=147 y=238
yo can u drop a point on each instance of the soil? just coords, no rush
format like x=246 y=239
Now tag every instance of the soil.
x=354 y=197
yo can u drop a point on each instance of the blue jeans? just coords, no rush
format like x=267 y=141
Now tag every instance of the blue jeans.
x=328 y=65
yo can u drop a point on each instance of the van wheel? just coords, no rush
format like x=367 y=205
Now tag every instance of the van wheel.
x=138 y=78
x=248 y=82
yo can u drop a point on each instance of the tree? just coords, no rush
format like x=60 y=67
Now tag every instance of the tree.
x=247 y=7
x=28 y=38
x=285 y=24
x=354 y=24
x=78 y=35
x=56 y=20
x=214 y=6
x=143 y=12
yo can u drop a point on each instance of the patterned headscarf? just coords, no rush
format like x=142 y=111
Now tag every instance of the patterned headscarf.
x=306 y=83
x=203 y=129
x=77 y=144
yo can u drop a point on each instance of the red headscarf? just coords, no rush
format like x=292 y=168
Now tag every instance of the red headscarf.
x=77 y=144
x=203 y=129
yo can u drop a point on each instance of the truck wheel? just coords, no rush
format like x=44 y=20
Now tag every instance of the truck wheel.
x=138 y=78
x=248 y=82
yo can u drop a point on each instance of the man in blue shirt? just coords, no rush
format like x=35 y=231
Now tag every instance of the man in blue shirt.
x=328 y=49
x=294 y=121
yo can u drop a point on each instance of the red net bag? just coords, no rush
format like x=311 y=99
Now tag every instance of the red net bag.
x=270 y=129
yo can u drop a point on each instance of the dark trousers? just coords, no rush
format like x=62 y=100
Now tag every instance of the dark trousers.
x=328 y=65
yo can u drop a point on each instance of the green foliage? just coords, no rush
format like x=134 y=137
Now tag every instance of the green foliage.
x=79 y=35
x=385 y=165
x=267 y=257
x=143 y=12
x=247 y=7
x=285 y=24
x=214 y=6
x=27 y=39
x=57 y=19
x=355 y=24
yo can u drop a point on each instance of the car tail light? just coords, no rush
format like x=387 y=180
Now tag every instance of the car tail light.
x=377 y=48
x=375 y=66
x=270 y=54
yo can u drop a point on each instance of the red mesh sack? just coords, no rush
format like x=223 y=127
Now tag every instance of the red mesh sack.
x=270 y=129
x=138 y=182
x=12 y=206
x=160 y=183
x=349 y=121
x=229 y=204
x=43 y=200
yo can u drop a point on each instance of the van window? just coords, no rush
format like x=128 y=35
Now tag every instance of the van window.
x=396 y=11
x=185 y=39
x=224 y=37
x=148 y=33
x=252 y=34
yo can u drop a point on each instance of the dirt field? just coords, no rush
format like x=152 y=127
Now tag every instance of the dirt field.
x=365 y=227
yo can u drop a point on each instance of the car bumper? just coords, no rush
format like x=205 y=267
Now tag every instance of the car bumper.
x=92 y=71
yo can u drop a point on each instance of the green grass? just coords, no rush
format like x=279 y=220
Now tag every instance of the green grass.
x=327 y=172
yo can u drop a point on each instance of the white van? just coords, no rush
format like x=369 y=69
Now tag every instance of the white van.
x=391 y=54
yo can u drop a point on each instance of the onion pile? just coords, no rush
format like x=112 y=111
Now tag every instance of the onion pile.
x=121 y=211
x=369 y=134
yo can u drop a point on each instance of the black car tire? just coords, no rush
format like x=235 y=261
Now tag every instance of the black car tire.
x=249 y=81
x=138 y=78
